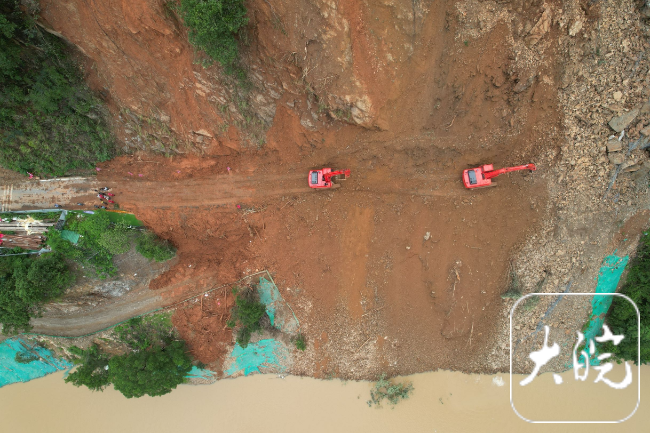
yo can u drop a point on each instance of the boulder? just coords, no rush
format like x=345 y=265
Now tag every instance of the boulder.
x=616 y=158
x=613 y=145
x=621 y=122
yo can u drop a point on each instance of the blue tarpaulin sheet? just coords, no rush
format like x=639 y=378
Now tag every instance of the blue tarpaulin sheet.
x=12 y=371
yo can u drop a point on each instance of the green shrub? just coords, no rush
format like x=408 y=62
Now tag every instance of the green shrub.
x=301 y=342
x=213 y=25
x=140 y=333
x=151 y=247
x=50 y=123
x=384 y=390
x=116 y=240
x=247 y=313
x=622 y=317
x=25 y=357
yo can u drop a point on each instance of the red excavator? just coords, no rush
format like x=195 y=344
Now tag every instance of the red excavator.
x=482 y=176
x=323 y=178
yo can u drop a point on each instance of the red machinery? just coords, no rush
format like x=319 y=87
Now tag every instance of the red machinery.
x=482 y=176
x=323 y=178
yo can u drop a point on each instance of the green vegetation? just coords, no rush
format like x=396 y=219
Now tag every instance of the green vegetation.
x=213 y=25
x=514 y=288
x=154 y=363
x=26 y=283
x=149 y=246
x=247 y=314
x=101 y=240
x=153 y=372
x=622 y=317
x=385 y=390
x=301 y=342
x=97 y=233
x=50 y=123
x=142 y=333
x=25 y=357
x=91 y=368
x=39 y=216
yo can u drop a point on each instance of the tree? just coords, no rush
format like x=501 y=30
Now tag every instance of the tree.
x=43 y=279
x=213 y=25
x=50 y=123
x=153 y=372
x=91 y=371
x=26 y=283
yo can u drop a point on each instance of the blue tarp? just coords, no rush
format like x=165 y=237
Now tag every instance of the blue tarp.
x=267 y=353
x=280 y=314
x=12 y=371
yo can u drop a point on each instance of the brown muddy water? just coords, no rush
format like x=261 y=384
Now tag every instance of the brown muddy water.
x=442 y=402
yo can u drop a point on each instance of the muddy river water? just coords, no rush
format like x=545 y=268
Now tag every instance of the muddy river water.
x=441 y=402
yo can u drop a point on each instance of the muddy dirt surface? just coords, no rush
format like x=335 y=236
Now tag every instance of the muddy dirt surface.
x=400 y=269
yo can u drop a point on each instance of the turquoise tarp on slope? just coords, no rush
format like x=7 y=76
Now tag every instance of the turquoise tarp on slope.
x=267 y=353
x=280 y=314
x=12 y=371
x=608 y=277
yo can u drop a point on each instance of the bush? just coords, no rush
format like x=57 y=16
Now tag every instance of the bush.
x=140 y=333
x=384 y=390
x=213 y=25
x=50 y=123
x=149 y=246
x=622 y=318
x=26 y=282
x=117 y=240
x=247 y=313
x=301 y=343
x=25 y=357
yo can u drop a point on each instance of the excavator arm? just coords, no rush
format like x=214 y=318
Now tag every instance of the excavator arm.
x=328 y=176
x=495 y=173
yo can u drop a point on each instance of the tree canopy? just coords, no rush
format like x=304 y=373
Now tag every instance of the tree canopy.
x=26 y=282
x=213 y=25
x=50 y=123
x=154 y=363
x=153 y=372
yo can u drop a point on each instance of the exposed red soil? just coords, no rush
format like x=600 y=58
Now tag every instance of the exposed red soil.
x=202 y=323
x=370 y=292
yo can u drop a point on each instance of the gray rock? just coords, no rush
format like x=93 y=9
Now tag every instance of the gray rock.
x=632 y=168
x=621 y=122
x=645 y=108
x=616 y=158
x=613 y=145
x=523 y=84
x=646 y=131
